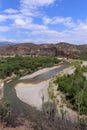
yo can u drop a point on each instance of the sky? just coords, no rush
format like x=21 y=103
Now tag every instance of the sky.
x=43 y=21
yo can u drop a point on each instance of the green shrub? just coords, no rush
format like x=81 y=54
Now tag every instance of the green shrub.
x=75 y=89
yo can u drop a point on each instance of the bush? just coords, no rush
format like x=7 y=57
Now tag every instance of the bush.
x=75 y=89
x=23 y=65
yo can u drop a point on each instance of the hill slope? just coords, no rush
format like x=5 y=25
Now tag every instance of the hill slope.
x=41 y=49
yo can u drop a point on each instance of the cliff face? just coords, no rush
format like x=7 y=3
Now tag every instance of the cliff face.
x=42 y=49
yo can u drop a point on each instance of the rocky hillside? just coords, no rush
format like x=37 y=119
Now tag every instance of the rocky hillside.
x=83 y=48
x=41 y=49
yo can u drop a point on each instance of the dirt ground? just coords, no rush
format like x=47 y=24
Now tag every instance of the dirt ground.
x=25 y=126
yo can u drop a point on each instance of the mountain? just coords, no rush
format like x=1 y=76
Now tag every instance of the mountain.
x=83 y=48
x=6 y=42
x=41 y=49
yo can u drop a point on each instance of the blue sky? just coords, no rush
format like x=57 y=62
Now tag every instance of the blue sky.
x=43 y=21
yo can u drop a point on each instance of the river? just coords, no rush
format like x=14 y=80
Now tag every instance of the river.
x=16 y=104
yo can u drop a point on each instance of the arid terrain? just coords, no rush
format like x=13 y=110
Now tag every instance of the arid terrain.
x=59 y=49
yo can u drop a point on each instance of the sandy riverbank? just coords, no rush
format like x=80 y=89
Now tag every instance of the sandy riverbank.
x=39 y=72
x=84 y=63
x=1 y=89
x=32 y=93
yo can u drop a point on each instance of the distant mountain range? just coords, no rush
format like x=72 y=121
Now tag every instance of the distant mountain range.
x=62 y=49
x=5 y=42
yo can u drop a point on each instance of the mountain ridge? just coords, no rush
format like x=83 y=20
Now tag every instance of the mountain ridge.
x=61 y=48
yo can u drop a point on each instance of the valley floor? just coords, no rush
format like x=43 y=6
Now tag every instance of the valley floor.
x=32 y=94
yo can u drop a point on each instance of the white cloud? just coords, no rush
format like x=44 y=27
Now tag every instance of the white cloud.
x=59 y=20
x=81 y=26
x=31 y=7
x=49 y=33
x=22 y=22
x=11 y=11
x=47 y=20
x=37 y=27
x=4 y=28
x=29 y=26
x=35 y=3
x=49 y=30
x=3 y=18
x=69 y=22
x=2 y=38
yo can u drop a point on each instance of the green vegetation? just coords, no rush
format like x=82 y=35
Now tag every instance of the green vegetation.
x=83 y=56
x=76 y=63
x=24 y=65
x=51 y=91
x=6 y=113
x=75 y=89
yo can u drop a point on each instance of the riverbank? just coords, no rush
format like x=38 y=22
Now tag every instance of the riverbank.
x=31 y=93
x=39 y=72
x=1 y=89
